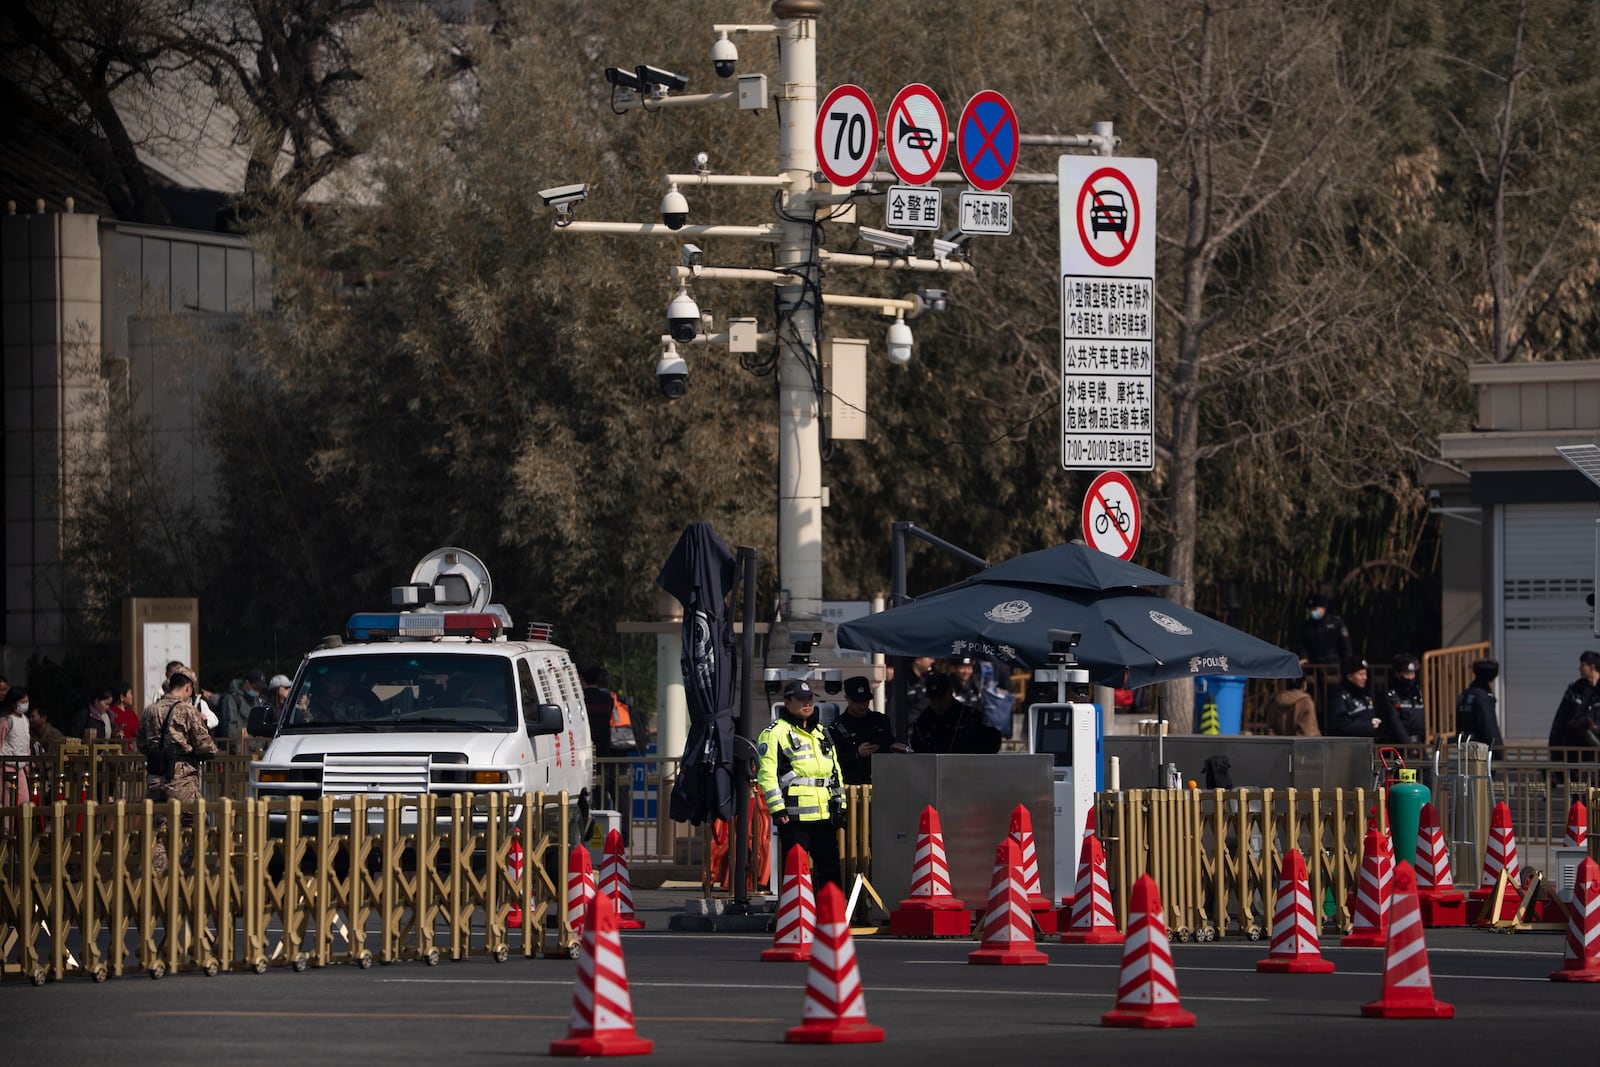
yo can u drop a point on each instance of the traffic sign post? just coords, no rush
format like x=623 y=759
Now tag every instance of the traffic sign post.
x=1108 y=264
x=988 y=140
x=916 y=134
x=1111 y=518
x=846 y=135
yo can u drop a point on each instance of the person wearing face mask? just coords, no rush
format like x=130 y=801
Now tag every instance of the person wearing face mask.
x=1324 y=638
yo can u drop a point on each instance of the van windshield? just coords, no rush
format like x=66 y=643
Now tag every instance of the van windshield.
x=403 y=692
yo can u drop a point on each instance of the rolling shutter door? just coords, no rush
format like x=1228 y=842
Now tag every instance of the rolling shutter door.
x=1547 y=568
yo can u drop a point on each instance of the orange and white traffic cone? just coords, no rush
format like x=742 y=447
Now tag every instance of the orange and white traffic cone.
x=1007 y=923
x=1500 y=855
x=1093 y=922
x=602 y=1007
x=615 y=883
x=797 y=912
x=1441 y=902
x=1022 y=833
x=1296 y=947
x=1371 y=911
x=1147 y=985
x=1581 y=961
x=514 y=868
x=931 y=910
x=1407 y=982
x=580 y=887
x=1064 y=911
x=835 y=1011
x=1577 y=835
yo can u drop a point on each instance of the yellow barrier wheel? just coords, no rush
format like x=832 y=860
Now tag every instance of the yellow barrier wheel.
x=364 y=961
x=213 y=968
x=260 y=965
x=575 y=949
x=432 y=957
x=38 y=976
x=99 y=974
x=158 y=970
x=1184 y=934
x=300 y=963
x=1207 y=933
x=1255 y=933
x=501 y=953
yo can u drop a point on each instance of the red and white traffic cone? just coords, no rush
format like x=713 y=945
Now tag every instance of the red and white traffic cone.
x=835 y=1011
x=1147 y=986
x=1371 y=912
x=1500 y=855
x=1064 y=912
x=1007 y=923
x=1093 y=922
x=514 y=868
x=615 y=883
x=797 y=912
x=1441 y=902
x=931 y=910
x=1407 y=983
x=1022 y=833
x=580 y=887
x=1581 y=961
x=1296 y=947
x=602 y=1007
x=1577 y=835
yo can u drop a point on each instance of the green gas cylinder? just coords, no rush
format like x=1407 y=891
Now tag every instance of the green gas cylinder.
x=1406 y=798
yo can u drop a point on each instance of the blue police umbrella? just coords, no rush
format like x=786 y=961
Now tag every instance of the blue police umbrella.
x=1130 y=638
x=1075 y=566
x=701 y=574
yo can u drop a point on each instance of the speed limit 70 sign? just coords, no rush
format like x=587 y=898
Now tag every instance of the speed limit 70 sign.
x=847 y=135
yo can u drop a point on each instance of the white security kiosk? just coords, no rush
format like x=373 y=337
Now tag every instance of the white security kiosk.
x=1071 y=733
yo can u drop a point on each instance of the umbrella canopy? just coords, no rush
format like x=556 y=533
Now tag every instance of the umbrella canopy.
x=701 y=573
x=1075 y=566
x=1130 y=638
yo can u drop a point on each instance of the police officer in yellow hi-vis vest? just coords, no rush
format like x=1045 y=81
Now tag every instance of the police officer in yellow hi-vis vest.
x=799 y=779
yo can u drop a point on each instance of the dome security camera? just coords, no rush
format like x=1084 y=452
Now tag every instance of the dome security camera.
x=724 y=56
x=674 y=209
x=672 y=373
x=899 y=342
x=683 y=317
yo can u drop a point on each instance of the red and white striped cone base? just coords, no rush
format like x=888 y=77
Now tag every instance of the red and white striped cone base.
x=1093 y=922
x=1577 y=835
x=1296 y=947
x=931 y=910
x=1147 y=986
x=514 y=868
x=1007 y=923
x=602 y=1007
x=580 y=887
x=1500 y=855
x=1407 y=982
x=797 y=912
x=835 y=1011
x=1371 y=912
x=615 y=883
x=1581 y=962
x=1022 y=833
x=1441 y=902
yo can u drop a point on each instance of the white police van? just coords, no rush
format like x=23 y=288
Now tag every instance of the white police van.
x=433 y=697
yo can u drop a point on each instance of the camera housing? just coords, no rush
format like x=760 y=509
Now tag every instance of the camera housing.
x=672 y=373
x=683 y=317
x=565 y=194
x=899 y=342
x=666 y=79
x=888 y=241
x=674 y=209
x=724 y=56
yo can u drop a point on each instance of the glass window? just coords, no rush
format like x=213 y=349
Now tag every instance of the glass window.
x=403 y=692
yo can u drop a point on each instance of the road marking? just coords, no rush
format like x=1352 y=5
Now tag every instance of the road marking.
x=1062 y=994
x=485 y=1016
x=1245 y=970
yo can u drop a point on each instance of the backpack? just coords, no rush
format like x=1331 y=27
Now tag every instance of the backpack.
x=622 y=736
x=162 y=759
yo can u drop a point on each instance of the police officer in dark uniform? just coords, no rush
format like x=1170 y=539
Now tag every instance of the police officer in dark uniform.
x=859 y=732
x=1405 y=720
x=950 y=726
x=1352 y=713
x=1324 y=638
x=1476 y=718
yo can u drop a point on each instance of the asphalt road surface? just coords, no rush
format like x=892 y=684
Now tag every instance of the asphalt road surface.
x=708 y=998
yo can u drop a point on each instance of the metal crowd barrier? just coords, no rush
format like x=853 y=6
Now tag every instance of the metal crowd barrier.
x=247 y=885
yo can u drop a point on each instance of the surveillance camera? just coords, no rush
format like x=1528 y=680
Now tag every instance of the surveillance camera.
x=624 y=79
x=683 y=317
x=672 y=373
x=702 y=162
x=900 y=341
x=724 y=56
x=948 y=245
x=833 y=681
x=672 y=83
x=1063 y=640
x=887 y=241
x=564 y=194
x=674 y=209
x=692 y=257
x=934 y=299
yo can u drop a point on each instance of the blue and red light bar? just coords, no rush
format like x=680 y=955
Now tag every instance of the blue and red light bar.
x=383 y=625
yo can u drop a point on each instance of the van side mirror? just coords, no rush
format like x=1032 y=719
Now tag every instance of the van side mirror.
x=261 y=722
x=546 y=719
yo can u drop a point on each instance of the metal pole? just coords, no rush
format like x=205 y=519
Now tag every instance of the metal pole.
x=898 y=713
x=799 y=362
x=740 y=905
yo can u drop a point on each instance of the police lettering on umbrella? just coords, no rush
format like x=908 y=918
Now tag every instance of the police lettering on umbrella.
x=800 y=781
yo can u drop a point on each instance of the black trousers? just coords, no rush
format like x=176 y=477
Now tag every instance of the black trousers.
x=820 y=841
